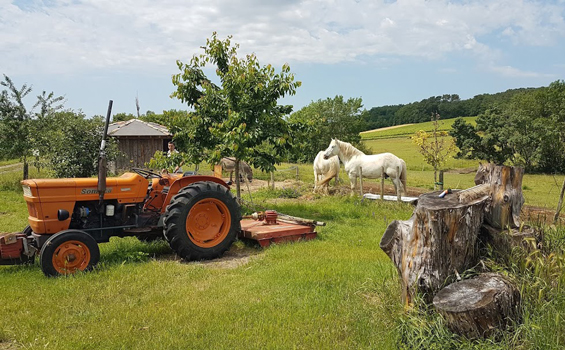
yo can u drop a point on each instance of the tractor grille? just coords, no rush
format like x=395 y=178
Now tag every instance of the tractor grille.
x=31 y=209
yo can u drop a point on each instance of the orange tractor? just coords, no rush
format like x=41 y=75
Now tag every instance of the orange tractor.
x=198 y=216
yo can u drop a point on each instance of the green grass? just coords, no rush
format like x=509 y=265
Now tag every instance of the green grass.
x=9 y=162
x=540 y=190
x=410 y=129
x=333 y=292
x=338 y=291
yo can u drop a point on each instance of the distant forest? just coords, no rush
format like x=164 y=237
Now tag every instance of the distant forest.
x=448 y=107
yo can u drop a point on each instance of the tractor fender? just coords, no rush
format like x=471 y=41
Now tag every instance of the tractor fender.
x=181 y=183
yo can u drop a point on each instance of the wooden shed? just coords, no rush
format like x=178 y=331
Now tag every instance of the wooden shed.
x=137 y=142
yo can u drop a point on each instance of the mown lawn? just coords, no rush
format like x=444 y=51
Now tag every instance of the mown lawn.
x=338 y=291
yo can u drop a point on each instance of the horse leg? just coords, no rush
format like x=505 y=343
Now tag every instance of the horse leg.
x=315 y=180
x=397 y=187
x=353 y=182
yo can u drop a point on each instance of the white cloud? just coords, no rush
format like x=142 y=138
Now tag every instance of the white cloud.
x=512 y=72
x=64 y=36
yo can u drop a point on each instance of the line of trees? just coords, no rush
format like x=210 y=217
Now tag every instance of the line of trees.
x=529 y=131
x=46 y=135
x=448 y=106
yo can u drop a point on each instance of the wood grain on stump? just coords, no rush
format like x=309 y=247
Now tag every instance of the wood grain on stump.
x=506 y=192
x=437 y=242
x=477 y=307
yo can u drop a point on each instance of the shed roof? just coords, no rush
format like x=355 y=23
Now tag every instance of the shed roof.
x=136 y=127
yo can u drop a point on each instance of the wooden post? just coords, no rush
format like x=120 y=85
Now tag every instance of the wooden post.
x=297 y=176
x=361 y=181
x=383 y=185
x=218 y=171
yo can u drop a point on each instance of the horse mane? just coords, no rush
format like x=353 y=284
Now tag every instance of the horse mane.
x=348 y=150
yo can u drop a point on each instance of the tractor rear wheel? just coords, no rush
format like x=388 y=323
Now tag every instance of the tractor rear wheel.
x=67 y=252
x=202 y=221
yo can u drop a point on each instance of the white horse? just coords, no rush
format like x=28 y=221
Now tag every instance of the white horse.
x=324 y=171
x=372 y=166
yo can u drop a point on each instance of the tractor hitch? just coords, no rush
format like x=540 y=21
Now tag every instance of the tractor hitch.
x=15 y=248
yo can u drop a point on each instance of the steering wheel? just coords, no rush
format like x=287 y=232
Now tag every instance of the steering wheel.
x=148 y=174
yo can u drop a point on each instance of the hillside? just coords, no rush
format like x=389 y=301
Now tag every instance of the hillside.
x=448 y=106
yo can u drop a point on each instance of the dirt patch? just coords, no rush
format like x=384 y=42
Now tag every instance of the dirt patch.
x=387 y=128
x=462 y=171
x=7 y=345
x=234 y=258
x=257 y=184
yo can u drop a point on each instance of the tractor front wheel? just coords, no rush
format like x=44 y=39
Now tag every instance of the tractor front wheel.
x=202 y=221
x=67 y=252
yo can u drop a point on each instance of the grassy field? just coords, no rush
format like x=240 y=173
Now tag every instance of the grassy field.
x=409 y=130
x=540 y=190
x=339 y=291
x=333 y=292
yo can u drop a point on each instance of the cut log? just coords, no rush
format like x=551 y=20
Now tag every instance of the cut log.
x=503 y=241
x=477 y=307
x=437 y=242
x=506 y=192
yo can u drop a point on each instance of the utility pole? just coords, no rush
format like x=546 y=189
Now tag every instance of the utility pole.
x=137 y=105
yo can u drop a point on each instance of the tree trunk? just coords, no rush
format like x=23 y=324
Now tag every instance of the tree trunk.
x=436 y=243
x=26 y=169
x=477 y=307
x=506 y=193
x=237 y=182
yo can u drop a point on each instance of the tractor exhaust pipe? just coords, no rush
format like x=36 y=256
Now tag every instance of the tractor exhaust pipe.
x=102 y=157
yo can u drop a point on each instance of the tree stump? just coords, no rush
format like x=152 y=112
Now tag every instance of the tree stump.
x=477 y=307
x=503 y=241
x=506 y=193
x=437 y=242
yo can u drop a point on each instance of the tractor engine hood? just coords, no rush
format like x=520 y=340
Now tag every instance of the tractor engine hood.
x=45 y=197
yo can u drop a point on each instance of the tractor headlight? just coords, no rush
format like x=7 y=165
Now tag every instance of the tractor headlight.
x=27 y=190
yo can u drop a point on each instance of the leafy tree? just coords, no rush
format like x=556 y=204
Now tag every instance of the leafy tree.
x=465 y=137
x=380 y=117
x=160 y=160
x=74 y=143
x=491 y=146
x=21 y=131
x=436 y=147
x=556 y=107
x=238 y=116
x=326 y=119
x=170 y=118
x=122 y=117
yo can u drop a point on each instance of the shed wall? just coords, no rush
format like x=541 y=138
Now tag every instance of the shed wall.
x=137 y=151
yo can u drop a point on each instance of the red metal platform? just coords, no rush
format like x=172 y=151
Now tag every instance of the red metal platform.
x=267 y=233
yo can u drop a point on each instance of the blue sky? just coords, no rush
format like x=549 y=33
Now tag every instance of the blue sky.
x=384 y=51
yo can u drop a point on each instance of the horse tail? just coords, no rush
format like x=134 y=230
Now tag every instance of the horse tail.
x=329 y=175
x=403 y=176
